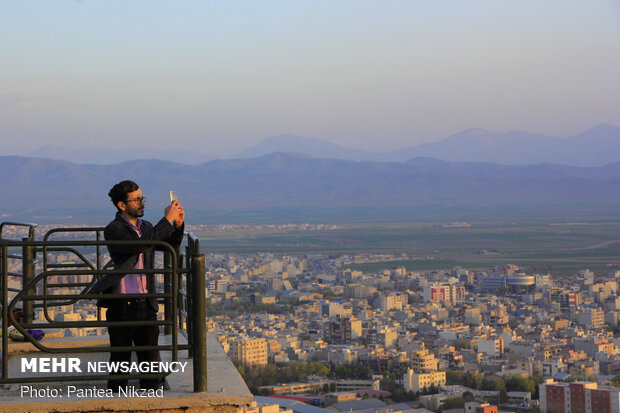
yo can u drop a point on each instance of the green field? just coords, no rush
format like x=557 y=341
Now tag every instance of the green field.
x=561 y=247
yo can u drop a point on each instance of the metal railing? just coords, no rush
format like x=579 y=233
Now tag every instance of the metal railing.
x=184 y=314
x=83 y=262
x=25 y=257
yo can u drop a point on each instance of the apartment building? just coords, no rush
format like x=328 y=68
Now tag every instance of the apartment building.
x=392 y=302
x=592 y=318
x=444 y=293
x=592 y=346
x=417 y=381
x=582 y=397
x=250 y=352
x=384 y=337
x=343 y=330
x=423 y=361
x=494 y=347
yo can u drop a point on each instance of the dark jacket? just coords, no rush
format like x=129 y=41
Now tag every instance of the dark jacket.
x=126 y=256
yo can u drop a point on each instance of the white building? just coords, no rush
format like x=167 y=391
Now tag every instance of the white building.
x=417 y=381
x=492 y=347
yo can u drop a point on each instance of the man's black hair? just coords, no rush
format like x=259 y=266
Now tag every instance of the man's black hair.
x=119 y=192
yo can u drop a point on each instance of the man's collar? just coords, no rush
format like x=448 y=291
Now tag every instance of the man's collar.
x=119 y=216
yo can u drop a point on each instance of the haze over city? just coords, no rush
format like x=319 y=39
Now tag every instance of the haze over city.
x=218 y=77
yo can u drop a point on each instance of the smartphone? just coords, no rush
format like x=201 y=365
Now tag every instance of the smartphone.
x=173 y=196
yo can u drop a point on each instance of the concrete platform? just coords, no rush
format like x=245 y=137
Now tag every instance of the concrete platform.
x=227 y=392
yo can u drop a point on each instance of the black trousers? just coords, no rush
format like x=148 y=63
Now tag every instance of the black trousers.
x=133 y=310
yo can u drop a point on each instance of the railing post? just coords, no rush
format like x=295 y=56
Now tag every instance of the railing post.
x=27 y=276
x=167 y=289
x=99 y=266
x=189 y=297
x=199 y=328
x=5 y=313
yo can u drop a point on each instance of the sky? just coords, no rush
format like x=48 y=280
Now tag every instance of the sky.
x=218 y=77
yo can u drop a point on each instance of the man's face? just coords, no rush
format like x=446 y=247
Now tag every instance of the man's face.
x=134 y=205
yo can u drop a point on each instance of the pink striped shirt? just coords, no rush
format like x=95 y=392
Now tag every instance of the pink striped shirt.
x=134 y=283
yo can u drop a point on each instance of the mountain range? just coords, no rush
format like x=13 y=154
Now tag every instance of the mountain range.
x=597 y=146
x=39 y=186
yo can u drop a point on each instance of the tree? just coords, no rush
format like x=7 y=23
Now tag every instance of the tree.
x=240 y=368
x=351 y=370
x=462 y=344
x=328 y=295
x=388 y=382
x=314 y=368
x=281 y=373
x=399 y=395
x=502 y=396
x=537 y=381
x=452 y=403
x=264 y=392
x=493 y=384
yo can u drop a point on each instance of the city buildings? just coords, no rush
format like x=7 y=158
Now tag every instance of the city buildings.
x=397 y=320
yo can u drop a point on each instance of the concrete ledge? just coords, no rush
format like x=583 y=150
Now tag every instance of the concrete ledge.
x=18 y=347
x=227 y=392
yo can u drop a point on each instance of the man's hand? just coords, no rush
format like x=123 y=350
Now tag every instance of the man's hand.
x=174 y=213
x=180 y=218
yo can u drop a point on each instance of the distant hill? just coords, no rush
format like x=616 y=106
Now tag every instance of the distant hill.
x=99 y=156
x=595 y=147
x=318 y=148
x=480 y=145
x=44 y=186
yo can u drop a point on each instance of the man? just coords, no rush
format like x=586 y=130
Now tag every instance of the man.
x=128 y=199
